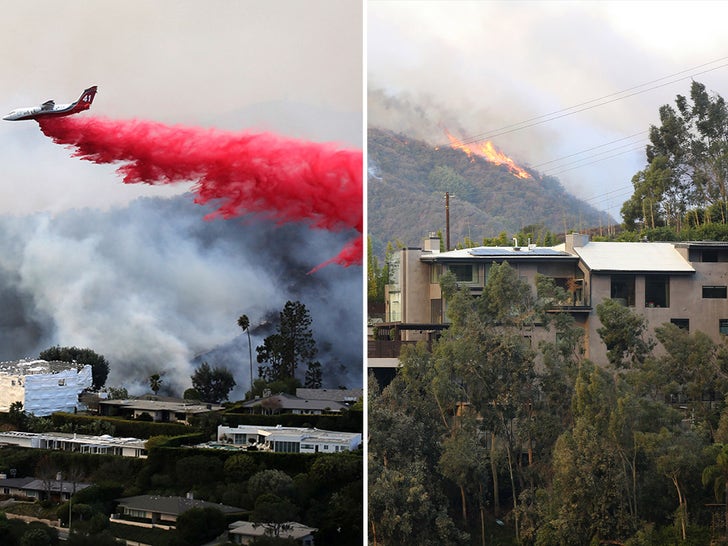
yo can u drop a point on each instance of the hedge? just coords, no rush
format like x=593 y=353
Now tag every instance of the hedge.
x=348 y=421
x=122 y=427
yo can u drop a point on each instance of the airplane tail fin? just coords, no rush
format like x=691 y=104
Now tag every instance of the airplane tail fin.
x=85 y=100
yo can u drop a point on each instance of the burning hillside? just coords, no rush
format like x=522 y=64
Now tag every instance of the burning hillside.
x=489 y=152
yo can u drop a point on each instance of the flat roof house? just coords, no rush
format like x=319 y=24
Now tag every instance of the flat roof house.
x=685 y=283
x=80 y=443
x=288 y=439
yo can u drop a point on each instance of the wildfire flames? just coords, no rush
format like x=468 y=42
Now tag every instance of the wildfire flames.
x=487 y=151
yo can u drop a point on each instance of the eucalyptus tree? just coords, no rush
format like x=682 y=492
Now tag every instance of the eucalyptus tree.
x=687 y=164
x=485 y=367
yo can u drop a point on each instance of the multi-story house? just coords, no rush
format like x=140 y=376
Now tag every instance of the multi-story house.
x=683 y=282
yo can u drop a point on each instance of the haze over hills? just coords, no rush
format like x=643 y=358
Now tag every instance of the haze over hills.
x=408 y=179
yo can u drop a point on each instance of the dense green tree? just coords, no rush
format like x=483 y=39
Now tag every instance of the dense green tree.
x=191 y=394
x=17 y=416
x=444 y=178
x=200 y=525
x=270 y=481
x=213 y=384
x=313 y=375
x=291 y=346
x=240 y=467
x=295 y=328
x=98 y=363
x=485 y=363
x=623 y=332
x=35 y=537
x=274 y=513
x=117 y=393
x=198 y=470
x=687 y=168
x=716 y=476
x=407 y=503
x=586 y=499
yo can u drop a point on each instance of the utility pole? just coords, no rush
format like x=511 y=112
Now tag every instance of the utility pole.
x=447 y=221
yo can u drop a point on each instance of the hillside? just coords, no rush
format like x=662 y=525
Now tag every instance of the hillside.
x=408 y=179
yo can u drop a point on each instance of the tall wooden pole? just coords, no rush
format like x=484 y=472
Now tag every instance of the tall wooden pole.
x=447 y=221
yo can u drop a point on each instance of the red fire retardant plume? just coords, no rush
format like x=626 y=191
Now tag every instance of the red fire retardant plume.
x=285 y=179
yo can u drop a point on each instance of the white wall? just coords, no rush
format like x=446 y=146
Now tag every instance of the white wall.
x=45 y=393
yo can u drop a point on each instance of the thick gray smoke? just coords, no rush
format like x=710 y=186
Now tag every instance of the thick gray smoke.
x=155 y=288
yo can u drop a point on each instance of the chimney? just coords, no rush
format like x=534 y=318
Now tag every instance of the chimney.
x=432 y=244
x=575 y=240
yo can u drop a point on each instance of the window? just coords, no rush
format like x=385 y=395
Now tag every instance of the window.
x=395 y=307
x=435 y=273
x=623 y=289
x=714 y=292
x=681 y=323
x=723 y=326
x=710 y=256
x=436 y=311
x=462 y=272
x=657 y=291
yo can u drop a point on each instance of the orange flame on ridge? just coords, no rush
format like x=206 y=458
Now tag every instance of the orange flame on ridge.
x=489 y=152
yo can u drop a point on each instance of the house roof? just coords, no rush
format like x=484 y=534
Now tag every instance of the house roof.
x=162 y=405
x=633 y=258
x=32 y=367
x=293 y=529
x=286 y=401
x=338 y=395
x=499 y=253
x=35 y=484
x=172 y=505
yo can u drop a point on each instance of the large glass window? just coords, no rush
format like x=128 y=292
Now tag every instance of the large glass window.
x=463 y=272
x=657 y=291
x=623 y=289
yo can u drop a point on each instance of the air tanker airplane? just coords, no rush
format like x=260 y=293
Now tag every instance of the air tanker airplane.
x=51 y=109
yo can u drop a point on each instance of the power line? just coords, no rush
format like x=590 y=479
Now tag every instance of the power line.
x=588 y=105
x=641 y=133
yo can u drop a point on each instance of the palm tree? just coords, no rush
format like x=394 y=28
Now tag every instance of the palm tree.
x=155 y=382
x=244 y=323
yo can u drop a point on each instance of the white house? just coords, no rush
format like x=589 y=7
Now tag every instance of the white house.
x=289 y=439
x=243 y=532
x=42 y=387
x=81 y=443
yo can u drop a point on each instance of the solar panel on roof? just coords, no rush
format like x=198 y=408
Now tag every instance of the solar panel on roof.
x=508 y=251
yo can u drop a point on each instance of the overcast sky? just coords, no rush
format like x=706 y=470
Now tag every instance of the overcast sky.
x=477 y=67
x=274 y=65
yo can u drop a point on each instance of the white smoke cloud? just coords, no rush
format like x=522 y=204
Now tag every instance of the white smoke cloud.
x=153 y=285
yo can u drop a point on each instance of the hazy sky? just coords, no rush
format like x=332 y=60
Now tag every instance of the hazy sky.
x=222 y=63
x=136 y=272
x=478 y=67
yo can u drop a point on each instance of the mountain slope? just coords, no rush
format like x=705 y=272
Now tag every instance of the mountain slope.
x=408 y=179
